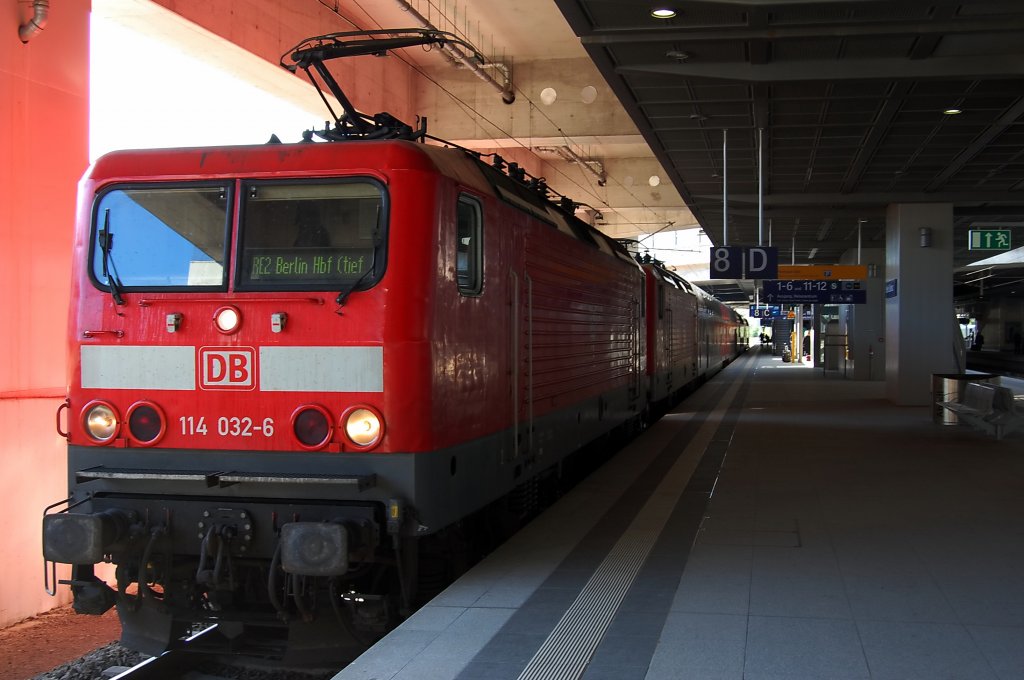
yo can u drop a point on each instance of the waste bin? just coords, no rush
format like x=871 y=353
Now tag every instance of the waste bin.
x=949 y=387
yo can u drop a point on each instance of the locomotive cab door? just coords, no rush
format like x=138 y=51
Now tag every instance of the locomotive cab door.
x=670 y=345
x=637 y=322
x=521 y=365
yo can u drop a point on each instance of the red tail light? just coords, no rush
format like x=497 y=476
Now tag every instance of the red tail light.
x=312 y=426
x=146 y=423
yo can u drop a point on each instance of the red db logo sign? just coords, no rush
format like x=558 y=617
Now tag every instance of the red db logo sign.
x=227 y=368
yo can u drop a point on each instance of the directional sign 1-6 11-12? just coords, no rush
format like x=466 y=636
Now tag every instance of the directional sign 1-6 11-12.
x=808 y=286
x=814 y=292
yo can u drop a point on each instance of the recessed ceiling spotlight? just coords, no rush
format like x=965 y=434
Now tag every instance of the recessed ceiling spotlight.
x=953 y=112
x=663 y=13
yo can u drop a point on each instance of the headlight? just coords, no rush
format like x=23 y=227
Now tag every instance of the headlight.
x=227 y=320
x=363 y=426
x=101 y=421
x=145 y=423
x=311 y=425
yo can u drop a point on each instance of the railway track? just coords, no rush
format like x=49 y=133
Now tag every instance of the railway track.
x=185 y=665
x=182 y=663
x=192 y=662
x=168 y=666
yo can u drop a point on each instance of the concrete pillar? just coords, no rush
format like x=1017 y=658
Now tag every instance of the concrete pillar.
x=44 y=137
x=864 y=325
x=919 y=320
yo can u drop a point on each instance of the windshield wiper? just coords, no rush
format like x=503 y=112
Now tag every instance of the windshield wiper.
x=343 y=295
x=109 y=269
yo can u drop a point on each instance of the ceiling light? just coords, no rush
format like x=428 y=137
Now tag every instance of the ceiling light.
x=814 y=251
x=953 y=112
x=663 y=13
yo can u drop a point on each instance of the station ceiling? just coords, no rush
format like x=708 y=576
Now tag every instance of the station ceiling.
x=854 y=101
x=853 y=98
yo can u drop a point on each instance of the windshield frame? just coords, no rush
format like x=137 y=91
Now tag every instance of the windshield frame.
x=378 y=260
x=97 y=224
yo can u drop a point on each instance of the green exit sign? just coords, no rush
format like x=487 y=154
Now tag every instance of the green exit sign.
x=988 y=239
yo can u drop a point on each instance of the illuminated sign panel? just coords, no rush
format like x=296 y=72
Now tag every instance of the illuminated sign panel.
x=989 y=239
x=822 y=272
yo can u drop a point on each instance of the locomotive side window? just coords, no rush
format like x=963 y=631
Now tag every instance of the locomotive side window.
x=469 y=246
x=160 y=237
x=311 y=235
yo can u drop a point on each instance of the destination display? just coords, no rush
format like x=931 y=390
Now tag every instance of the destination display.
x=814 y=292
x=302 y=264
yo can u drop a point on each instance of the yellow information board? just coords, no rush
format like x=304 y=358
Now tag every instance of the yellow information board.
x=818 y=272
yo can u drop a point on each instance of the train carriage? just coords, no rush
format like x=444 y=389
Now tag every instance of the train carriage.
x=672 y=335
x=690 y=335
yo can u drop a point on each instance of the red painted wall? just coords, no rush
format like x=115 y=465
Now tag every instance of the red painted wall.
x=43 y=153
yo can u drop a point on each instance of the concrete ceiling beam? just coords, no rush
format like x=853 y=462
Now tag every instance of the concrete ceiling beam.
x=458 y=108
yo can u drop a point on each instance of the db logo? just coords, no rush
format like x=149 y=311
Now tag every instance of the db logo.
x=227 y=368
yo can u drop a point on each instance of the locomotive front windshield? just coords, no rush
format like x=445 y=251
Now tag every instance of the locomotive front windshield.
x=311 y=236
x=158 y=238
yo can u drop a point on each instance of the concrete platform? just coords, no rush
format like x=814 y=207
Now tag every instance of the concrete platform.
x=844 y=538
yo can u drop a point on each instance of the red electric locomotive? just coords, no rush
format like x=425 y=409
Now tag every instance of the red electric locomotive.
x=290 y=364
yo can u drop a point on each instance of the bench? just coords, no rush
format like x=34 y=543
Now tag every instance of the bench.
x=990 y=408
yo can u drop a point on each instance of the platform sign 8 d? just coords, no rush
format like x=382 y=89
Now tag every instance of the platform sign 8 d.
x=744 y=262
